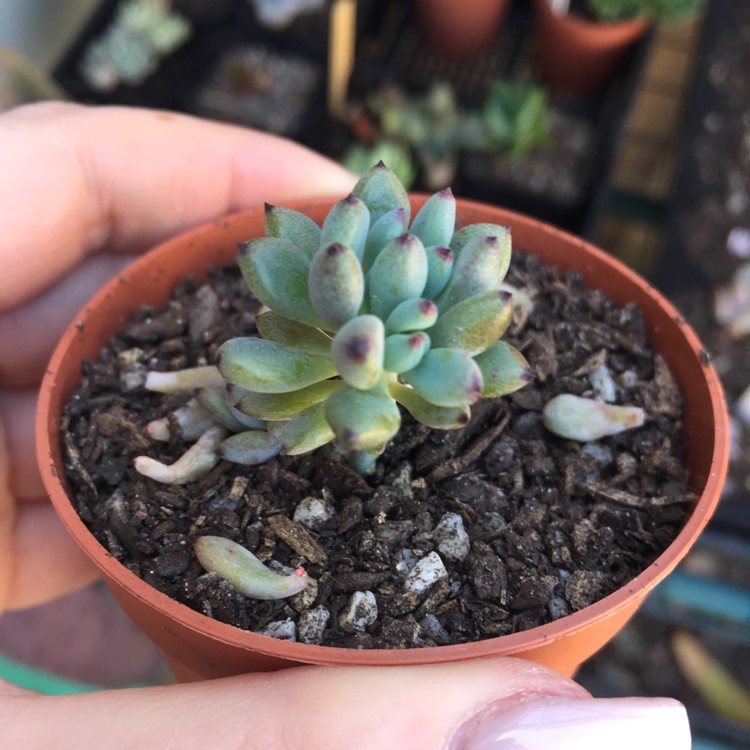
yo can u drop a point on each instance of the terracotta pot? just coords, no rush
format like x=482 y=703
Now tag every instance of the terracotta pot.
x=198 y=646
x=459 y=29
x=577 y=55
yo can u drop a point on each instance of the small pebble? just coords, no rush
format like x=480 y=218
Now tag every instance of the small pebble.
x=360 y=611
x=130 y=357
x=450 y=534
x=603 y=384
x=133 y=378
x=433 y=628
x=425 y=574
x=304 y=600
x=283 y=630
x=602 y=454
x=405 y=561
x=558 y=607
x=312 y=623
x=313 y=513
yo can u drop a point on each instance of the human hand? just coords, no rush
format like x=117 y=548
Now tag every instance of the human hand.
x=82 y=191
x=489 y=704
x=110 y=183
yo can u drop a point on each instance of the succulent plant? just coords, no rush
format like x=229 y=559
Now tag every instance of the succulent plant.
x=130 y=48
x=516 y=117
x=366 y=313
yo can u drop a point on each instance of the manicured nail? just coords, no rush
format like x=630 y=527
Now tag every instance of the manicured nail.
x=535 y=722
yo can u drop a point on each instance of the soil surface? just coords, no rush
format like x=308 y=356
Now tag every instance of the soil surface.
x=545 y=526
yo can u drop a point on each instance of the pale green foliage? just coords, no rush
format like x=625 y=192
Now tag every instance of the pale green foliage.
x=517 y=118
x=366 y=313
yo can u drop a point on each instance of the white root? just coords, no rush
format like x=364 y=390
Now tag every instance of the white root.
x=185 y=380
x=192 y=419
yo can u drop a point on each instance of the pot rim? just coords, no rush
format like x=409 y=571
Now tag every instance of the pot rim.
x=47 y=432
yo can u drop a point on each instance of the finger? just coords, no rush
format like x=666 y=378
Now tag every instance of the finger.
x=28 y=333
x=38 y=558
x=127 y=178
x=17 y=413
x=47 y=563
x=7 y=521
x=436 y=707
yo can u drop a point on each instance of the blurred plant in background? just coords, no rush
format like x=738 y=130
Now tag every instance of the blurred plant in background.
x=427 y=132
x=130 y=49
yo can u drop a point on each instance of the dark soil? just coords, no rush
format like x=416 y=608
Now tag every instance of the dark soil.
x=553 y=526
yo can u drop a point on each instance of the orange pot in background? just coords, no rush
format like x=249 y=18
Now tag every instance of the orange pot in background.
x=200 y=647
x=577 y=55
x=459 y=29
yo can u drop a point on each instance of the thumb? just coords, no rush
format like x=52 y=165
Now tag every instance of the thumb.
x=492 y=704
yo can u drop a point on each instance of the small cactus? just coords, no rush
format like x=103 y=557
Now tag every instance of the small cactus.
x=366 y=313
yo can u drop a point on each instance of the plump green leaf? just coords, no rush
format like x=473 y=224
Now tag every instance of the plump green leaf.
x=235 y=393
x=403 y=351
x=249 y=448
x=294 y=226
x=504 y=369
x=336 y=284
x=440 y=261
x=477 y=269
x=437 y=417
x=291 y=333
x=446 y=377
x=268 y=367
x=436 y=220
x=386 y=228
x=247 y=422
x=585 y=419
x=347 y=224
x=276 y=271
x=357 y=351
x=474 y=324
x=398 y=273
x=362 y=420
x=214 y=401
x=381 y=191
x=306 y=431
x=244 y=571
x=280 y=406
x=415 y=314
x=482 y=229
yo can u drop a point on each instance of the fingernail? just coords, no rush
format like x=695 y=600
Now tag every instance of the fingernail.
x=536 y=722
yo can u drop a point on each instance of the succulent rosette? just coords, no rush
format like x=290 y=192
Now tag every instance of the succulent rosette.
x=367 y=314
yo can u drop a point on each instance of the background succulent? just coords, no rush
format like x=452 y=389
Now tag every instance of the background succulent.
x=367 y=312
